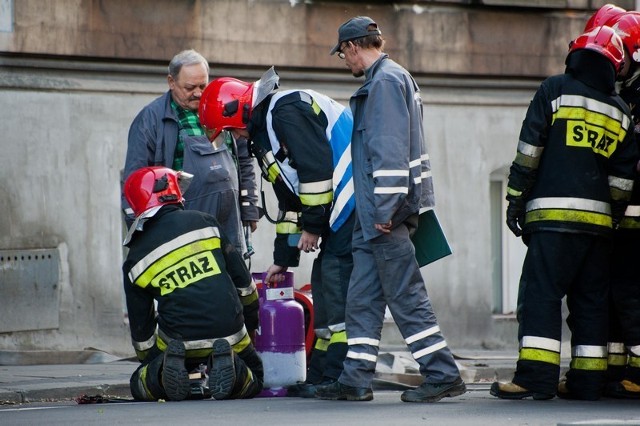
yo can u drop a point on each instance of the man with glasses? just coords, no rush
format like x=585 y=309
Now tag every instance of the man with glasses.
x=392 y=181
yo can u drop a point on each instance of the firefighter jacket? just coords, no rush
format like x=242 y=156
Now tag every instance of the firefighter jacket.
x=630 y=93
x=152 y=140
x=392 y=176
x=301 y=139
x=200 y=282
x=576 y=158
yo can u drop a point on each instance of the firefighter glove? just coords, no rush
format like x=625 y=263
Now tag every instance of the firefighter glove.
x=617 y=212
x=515 y=217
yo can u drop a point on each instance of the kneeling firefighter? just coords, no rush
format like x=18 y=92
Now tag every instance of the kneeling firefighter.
x=207 y=304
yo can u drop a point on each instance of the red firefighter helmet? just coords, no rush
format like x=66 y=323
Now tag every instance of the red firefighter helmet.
x=603 y=40
x=603 y=16
x=627 y=26
x=225 y=104
x=152 y=187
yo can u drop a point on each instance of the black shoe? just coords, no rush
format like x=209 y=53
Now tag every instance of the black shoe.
x=512 y=391
x=222 y=371
x=306 y=389
x=175 y=377
x=434 y=392
x=338 y=391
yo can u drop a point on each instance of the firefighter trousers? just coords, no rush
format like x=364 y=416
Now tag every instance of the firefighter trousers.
x=329 y=283
x=386 y=273
x=624 y=329
x=574 y=265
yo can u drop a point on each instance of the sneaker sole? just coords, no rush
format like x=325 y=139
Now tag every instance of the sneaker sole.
x=222 y=373
x=175 y=377
x=449 y=393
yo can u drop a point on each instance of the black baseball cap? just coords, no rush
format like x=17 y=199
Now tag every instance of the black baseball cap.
x=355 y=28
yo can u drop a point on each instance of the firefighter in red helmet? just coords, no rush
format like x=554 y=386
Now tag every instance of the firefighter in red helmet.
x=567 y=191
x=302 y=141
x=207 y=305
x=623 y=372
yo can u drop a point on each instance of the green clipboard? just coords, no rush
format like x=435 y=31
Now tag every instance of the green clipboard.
x=429 y=240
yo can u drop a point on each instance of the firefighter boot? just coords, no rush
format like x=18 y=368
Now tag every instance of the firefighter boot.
x=434 y=392
x=623 y=389
x=512 y=391
x=175 y=377
x=222 y=373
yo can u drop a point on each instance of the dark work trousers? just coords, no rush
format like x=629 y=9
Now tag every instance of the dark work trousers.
x=625 y=301
x=386 y=273
x=329 y=283
x=561 y=264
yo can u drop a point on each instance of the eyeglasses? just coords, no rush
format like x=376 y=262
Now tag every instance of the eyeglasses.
x=341 y=54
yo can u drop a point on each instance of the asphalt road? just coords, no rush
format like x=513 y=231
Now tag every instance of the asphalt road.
x=476 y=407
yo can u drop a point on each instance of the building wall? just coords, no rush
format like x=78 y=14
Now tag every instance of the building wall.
x=74 y=73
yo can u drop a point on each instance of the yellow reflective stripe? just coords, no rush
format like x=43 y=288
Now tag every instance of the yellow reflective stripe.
x=143 y=380
x=530 y=354
x=170 y=246
x=630 y=223
x=513 y=192
x=316 y=199
x=182 y=267
x=287 y=228
x=569 y=216
x=321 y=344
x=316 y=107
x=617 y=360
x=634 y=361
x=273 y=171
x=593 y=111
x=529 y=162
x=590 y=364
x=249 y=299
x=339 y=337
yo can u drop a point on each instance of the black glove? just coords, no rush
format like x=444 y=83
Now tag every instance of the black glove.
x=515 y=217
x=617 y=212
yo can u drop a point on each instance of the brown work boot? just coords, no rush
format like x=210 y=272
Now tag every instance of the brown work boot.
x=510 y=390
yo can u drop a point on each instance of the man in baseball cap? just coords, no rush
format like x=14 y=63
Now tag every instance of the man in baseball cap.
x=358 y=27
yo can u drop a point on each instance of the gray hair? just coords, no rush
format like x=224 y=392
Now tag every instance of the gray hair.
x=186 y=57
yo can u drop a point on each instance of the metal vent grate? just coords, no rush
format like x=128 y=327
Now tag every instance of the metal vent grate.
x=29 y=298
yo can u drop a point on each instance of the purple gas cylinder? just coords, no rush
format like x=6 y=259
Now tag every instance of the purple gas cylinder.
x=280 y=338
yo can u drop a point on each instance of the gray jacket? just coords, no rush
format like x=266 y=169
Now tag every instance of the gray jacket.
x=391 y=168
x=152 y=142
